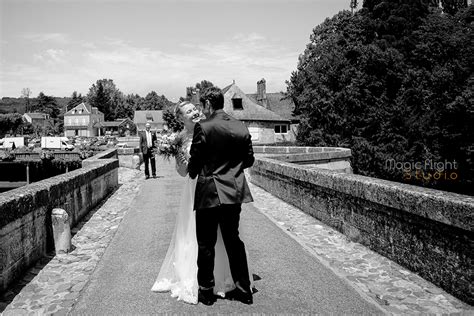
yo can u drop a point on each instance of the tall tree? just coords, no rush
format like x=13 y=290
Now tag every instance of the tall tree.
x=10 y=124
x=153 y=101
x=46 y=104
x=25 y=93
x=170 y=119
x=200 y=86
x=106 y=97
x=127 y=108
x=392 y=81
x=75 y=100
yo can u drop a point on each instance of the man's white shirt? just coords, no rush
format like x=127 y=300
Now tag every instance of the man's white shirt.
x=148 y=138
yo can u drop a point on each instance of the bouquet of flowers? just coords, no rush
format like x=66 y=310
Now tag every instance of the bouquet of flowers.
x=169 y=145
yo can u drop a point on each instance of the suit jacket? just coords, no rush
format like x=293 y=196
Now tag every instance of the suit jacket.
x=143 y=144
x=220 y=151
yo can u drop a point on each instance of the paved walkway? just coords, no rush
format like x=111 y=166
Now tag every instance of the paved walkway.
x=305 y=266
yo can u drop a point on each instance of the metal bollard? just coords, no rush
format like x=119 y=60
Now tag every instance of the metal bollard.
x=61 y=231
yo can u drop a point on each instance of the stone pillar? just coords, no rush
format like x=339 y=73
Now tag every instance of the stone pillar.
x=136 y=162
x=61 y=231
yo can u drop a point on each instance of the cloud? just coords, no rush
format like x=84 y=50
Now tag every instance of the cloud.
x=245 y=58
x=50 y=56
x=59 y=38
x=252 y=37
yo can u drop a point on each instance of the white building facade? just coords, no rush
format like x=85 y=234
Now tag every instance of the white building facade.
x=81 y=121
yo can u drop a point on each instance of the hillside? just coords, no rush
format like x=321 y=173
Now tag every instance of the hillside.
x=12 y=105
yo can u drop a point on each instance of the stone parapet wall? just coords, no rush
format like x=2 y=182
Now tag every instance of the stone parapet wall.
x=330 y=158
x=106 y=154
x=427 y=231
x=25 y=213
x=296 y=149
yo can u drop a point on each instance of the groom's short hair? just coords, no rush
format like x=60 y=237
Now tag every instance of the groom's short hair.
x=215 y=97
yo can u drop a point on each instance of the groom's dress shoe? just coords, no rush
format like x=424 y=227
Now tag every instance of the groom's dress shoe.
x=206 y=297
x=241 y=296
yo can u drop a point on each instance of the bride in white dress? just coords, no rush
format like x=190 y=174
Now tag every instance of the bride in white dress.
x=178 y=273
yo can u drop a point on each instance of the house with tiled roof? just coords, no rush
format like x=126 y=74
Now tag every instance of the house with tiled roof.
x=154 y=117
x=274 y=101
x=265 y=126
x=119 y=127
x=37 y=119
x=82 y=121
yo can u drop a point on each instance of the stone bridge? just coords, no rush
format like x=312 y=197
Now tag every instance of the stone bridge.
x=320 y=239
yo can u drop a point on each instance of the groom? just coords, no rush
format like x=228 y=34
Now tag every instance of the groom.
x=220 y=151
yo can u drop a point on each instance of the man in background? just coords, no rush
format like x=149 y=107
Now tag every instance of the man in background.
x=147 y=146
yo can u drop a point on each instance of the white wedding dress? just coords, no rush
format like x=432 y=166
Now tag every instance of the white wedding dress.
x=178 y=273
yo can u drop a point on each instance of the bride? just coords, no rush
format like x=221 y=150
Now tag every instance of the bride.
x=178 y=273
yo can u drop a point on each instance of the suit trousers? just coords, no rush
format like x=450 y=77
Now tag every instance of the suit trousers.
x=207 y=220
x=149 y=157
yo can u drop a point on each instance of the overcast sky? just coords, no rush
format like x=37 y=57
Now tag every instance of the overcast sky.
x=64 y=45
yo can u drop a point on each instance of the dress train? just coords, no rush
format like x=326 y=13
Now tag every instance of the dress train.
x=178 y=273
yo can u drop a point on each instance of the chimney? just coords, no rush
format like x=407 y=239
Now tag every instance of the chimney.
x=262 y=93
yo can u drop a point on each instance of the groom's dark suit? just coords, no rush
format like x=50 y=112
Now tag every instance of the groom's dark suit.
x=220 y=152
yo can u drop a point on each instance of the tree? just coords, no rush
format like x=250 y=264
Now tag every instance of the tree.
x=155 y=102
x=453 y=6
x=10 y=124
x=127 y=108
x=28 y=128
x=75 y=100
x=46 y=104
x=106 y=97
x=170 y=119
x=199 y=86
x=25 y=93
x=391 y=81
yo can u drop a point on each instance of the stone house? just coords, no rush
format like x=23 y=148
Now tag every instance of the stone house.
x=278 y=103
x=37 y=119
x=154 y=117
x=265 y=126
x=82 y=121
x=117 y=127
x=268 y=116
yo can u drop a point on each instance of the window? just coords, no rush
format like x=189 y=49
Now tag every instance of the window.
x=281 y=129
x=237 y=104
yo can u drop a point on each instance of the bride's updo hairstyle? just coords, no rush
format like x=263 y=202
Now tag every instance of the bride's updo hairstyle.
x=177 y=110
